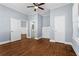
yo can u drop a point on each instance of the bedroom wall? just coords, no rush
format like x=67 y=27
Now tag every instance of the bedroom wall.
x=40 y=24
x=67 y=12
x=46 y=20
x=75 y=41
x=5 y=15
x=46 y=25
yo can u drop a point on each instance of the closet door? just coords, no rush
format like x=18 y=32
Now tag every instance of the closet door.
x=59 y=31
x=15 y=29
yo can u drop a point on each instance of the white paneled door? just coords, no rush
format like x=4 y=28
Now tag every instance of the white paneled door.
x=59 y=28
x=15 y=29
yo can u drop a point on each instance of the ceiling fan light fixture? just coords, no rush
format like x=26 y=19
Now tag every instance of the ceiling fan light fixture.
x=36 y=7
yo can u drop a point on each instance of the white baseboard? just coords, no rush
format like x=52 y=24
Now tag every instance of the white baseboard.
x=75 y=50
x=52 y=40
x=61 y=42
x=68 y=43
x=8 y=41
x=38 y=38
x=76 y=41
x=4 y=42
x=15 y=40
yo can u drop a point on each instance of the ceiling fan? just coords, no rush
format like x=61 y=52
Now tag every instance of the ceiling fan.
x=36 y=6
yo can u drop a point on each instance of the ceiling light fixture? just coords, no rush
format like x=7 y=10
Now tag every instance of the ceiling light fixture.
x=36 y=7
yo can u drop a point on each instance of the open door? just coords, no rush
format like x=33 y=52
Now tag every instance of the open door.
x=15 y=29
x=59 y=28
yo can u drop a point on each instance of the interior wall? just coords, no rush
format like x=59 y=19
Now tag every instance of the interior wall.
x=46 y=20
x=40 y=24
x=75 y=41
x=69 y=23
x=67 y=12
x=46 y=25
x=5 y=15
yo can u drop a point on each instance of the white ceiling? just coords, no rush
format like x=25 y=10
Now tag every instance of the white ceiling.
x=22 y=7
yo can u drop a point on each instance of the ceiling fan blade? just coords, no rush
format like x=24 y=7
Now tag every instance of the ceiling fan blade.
x=34 y=9
x=35 y=4
x=41 y=8
x=41 y=4
x=29 y=6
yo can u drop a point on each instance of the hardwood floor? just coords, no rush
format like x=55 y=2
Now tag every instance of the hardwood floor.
x=32 y=47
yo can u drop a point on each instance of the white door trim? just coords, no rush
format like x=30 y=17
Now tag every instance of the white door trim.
x=51 y=40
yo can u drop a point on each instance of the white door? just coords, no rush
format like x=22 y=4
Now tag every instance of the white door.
x=15 y=29
x=59 y=28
